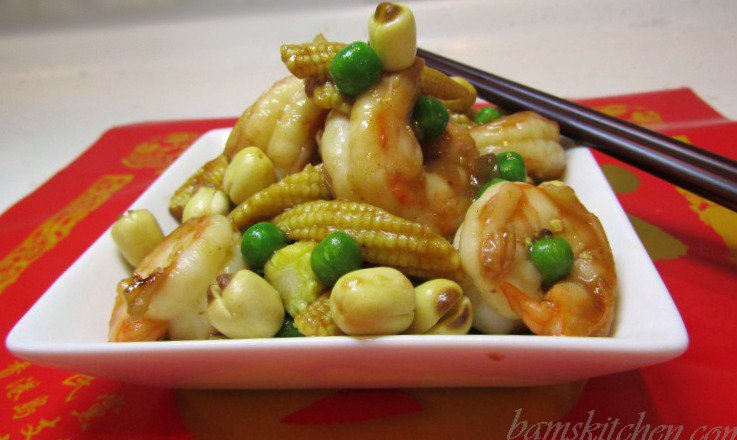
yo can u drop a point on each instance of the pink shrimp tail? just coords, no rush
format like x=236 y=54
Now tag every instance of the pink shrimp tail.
x=539 y=316
x=123 y=328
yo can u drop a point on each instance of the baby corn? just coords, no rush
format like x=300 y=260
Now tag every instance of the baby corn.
x=310 y=59
x=309 y=184
x=385 y=239
x=317 y=319
x=211 y=174
x=326 y=95
x=457 y=94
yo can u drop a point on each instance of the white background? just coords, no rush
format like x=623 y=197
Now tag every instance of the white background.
x=71 y=69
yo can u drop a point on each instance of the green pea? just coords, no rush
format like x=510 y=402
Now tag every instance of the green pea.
x=510 y=166
x=486 y=186
x=553 y=258
x=288 y=330
x=355 y=68
x=487 y=114
x=430 y=117
x=336 y=255
x=259 y=243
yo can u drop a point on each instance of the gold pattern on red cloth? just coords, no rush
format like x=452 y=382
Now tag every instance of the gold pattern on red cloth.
x=720 y=219
x=105 y=403
x=57 y=227
x=77 y=381
x=31 y=430
x=159 y=152
x=15 y=368
x=20 y=386
x=28 y=408
x=634 y=113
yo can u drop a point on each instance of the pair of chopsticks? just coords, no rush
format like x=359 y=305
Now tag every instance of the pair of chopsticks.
x=707 y=174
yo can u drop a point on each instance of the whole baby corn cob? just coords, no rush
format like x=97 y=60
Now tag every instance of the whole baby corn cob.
x=326 y=95
x=457 y=94
x=309 y=184
x=310 y=59
x=317 y=319
x=385 y=239
x=210 y=174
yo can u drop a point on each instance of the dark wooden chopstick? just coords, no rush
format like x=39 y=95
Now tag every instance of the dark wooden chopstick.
x=702 y=172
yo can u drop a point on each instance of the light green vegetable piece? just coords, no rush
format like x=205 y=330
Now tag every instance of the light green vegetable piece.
x=290 y=272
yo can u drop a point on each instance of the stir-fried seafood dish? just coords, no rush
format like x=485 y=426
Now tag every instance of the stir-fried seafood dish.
x=364 y=194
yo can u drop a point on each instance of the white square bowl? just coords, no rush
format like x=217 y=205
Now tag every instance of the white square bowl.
x=67 y=327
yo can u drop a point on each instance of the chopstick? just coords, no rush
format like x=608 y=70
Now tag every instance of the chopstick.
x=709 y=175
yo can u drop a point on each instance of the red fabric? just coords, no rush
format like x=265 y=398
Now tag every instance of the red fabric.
x=700 y=387
x=38 y=244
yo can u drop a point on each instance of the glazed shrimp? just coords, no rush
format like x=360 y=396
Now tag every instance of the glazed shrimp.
x=283 y=123
x=167 y=292
x=486 y=318
x=535 y=138
x=334 y=152
x=374 y=157
x=494 y=241
x=125 y=328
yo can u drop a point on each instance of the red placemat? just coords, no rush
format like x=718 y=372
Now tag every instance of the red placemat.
x=693 y=243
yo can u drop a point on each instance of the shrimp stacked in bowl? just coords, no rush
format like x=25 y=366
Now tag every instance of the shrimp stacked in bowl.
x=363 y=195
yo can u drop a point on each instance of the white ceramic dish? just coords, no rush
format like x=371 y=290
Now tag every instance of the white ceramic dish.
x=67 y=327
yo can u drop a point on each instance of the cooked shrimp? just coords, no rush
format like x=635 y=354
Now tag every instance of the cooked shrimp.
x=125 y=328
x=334 y=152
x=168 y=290
x=494 y=242
x=283 y=123
x=374 y=157
x=535 y=138
x=486 y=319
